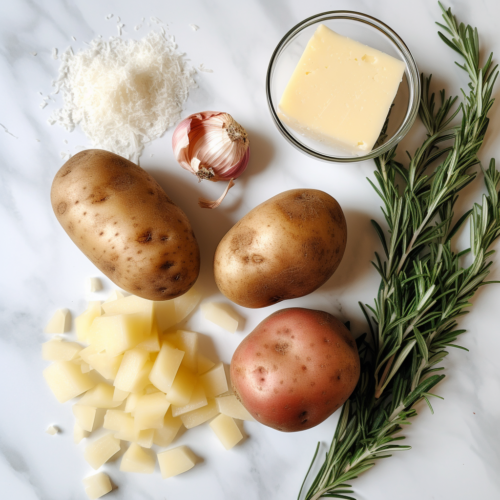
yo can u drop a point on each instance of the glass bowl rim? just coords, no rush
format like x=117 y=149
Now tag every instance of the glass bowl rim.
x=413 y=79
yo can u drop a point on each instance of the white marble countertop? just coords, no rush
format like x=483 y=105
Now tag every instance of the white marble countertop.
x=454 y=452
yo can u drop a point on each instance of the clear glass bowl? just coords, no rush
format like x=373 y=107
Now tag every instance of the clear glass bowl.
x=364 y=29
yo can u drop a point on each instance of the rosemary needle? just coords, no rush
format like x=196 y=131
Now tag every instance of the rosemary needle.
x=424 y=286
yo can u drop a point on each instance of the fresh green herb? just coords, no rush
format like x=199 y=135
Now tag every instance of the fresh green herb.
x=424 y=285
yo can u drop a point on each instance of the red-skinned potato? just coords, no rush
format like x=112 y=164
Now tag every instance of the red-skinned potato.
x=295 y=369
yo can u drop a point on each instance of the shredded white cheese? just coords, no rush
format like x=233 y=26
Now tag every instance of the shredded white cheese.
x=194 y=27
x=123 y=94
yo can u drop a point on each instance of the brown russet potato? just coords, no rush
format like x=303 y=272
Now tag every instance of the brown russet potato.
x=295 y=369
x=284 y=248
x=123 y=221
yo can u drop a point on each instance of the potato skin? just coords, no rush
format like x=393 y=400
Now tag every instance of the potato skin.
x=123 y=221
x=295 y=369
x=284 y=248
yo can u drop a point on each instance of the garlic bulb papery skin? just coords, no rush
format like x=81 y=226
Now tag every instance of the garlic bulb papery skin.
x=213 y=146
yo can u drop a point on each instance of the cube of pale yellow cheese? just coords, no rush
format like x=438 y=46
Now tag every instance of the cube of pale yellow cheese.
x=201 y=415
x=340 y=92
x=182 y=388
x=130 y=367
x=93 y=285
x=97 y=485
x=59 y=322
x=176 y=461
x=119 y=395
x=115 y=334
x=60 y=350
x=66 y=380
x=84 y=321
x=214 y=381
x=166 y=434
x=101 y=450
x=226 y=430
x=165 y=367
x=204 y=364
x=230 y=406
x=101 y=396
x=79 y=433
x=221 y=315
x=197 y=400
x=137 y=459
x=85 y=416
x=150 y=411
x=185 y=304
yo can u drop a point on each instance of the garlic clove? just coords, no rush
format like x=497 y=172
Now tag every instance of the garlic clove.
x=212 y=146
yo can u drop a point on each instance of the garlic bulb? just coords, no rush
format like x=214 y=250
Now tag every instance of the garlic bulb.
x=213 y=146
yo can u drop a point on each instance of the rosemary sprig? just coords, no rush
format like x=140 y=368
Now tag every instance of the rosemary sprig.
x=424 y=286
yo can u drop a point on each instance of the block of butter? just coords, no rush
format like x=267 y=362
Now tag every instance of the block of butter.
x=340 y=92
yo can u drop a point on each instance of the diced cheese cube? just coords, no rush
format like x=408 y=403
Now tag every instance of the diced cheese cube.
x=201 y=415
x=100 y=451
x=59 y=322
x=185 y=304
x=182 y=388
x=101 y=396
x=66 y=380
x=52 y=430
x=198 y=399
x=165 y=367
x=97 y=485
x=226 y=430
x=176 y=461
x=79 y=433
x=93 y=285
x=130 y=367
x=204 y=364
x=84 y=321
x=340 y=92
x=150 y=411
x=119 y=395
x=85 y=416
x=214 y=381
x=57 y=350
x=230 y=406
x=116 y=334
x=166 y=434
x=137 y=459
x=221 y=315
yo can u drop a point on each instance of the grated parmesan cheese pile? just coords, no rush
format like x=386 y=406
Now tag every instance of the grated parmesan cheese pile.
x=123 y=93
